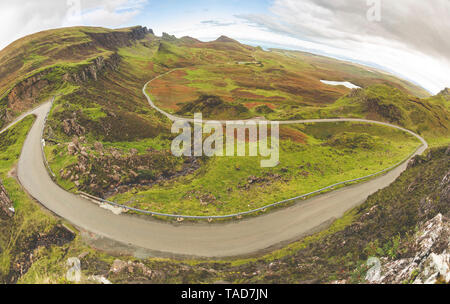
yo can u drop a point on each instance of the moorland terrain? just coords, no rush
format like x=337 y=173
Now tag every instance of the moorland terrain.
x=103 y=138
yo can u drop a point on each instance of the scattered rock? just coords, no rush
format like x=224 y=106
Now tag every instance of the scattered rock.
x=261 y=181
x=130 y=267
x=99 y=279
x=71 y=127
x=431 y=262
x=133 y=152
x=98 y=146
x=71 y=148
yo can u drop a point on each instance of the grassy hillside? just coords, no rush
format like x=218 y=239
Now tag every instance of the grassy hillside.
x=121 y=148
x=122 y=145
x=227 y=185
x=286 y=82
x=50 y=62
x=103 y=138
x=427 y=117
x=30 y=231
x=35 y=247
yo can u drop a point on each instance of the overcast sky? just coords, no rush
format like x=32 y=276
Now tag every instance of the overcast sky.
x=410 y=38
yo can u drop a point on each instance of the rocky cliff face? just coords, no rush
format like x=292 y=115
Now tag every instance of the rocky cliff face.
x=113 y=40
x=91 y=71
x=6 y=205
x=24 y=94
x=445 y=93
x=431 y=263
x=427 y=255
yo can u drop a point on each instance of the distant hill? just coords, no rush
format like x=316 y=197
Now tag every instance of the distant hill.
x=225 y=39
x=59 y=61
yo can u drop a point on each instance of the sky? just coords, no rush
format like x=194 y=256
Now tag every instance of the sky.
x=409 y=38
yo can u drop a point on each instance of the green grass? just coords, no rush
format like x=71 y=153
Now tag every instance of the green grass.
x=16 y=234
x=224 y=177
x=56 y=163
x=28 y=218
x=157 y=143
x=94 y=113
x=334 y=152
x=50 y=263
x=327 y=164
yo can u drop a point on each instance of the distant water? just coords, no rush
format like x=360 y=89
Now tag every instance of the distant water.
x=344 y=83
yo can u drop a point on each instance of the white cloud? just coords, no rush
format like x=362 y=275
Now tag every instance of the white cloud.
x=107 y=18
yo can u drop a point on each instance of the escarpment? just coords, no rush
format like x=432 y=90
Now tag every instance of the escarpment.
x=92 y=70
x=54 y=72
x=27 y=92
x=113 y=40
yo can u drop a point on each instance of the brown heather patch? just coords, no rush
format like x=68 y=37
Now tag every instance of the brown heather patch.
x=179 y=76
x=251 y=105
x=285 y=134
x=311 y=92
x=169 y=94
x=276 y=98
x=240 y=93
x=292 y=134
x=254 y=83
x=232 y=71
x=220 y=84
x=150 y=66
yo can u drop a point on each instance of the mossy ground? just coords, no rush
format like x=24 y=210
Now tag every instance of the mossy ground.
x=308 y=159
x=223 y=185
x=321 y=257
x=123 y=120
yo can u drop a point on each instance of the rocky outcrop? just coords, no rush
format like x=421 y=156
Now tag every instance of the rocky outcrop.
x=426 y=257
x=6 y=205
x=116 y=39
x=92 y=71
x=390 y=112
x=24 y=94
x=119 y=266
x=71 y=127
x=445 y=93
x=431 y=263
x=103 y=172
x=168 y=37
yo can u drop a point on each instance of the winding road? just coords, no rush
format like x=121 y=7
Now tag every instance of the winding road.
x=209 y=240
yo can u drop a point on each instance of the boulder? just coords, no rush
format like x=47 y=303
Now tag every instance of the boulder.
x=431 y=262
x=71 y=148
x=133 y=152
x=98 y=146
